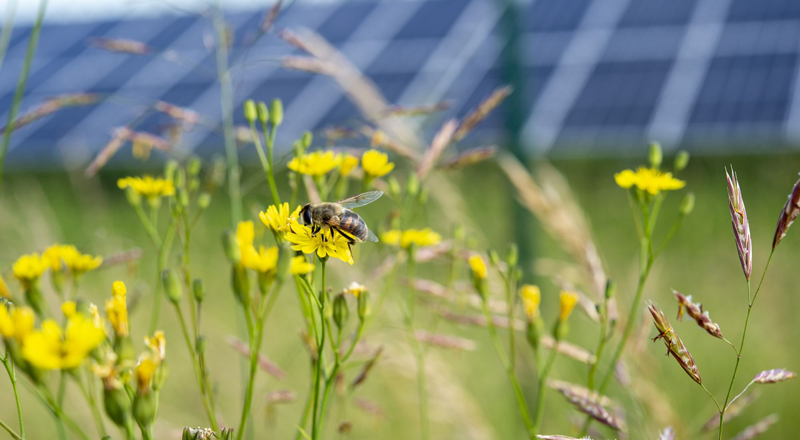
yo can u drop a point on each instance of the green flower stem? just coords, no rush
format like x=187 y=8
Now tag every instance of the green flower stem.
x=542 y=392
x=266 y=164
x=62 y=389
x=88 y=394
x=741 y=346
x=512 y=375
x=269 y=139
x=59 y=412
x=10 y=431
x=339 y=362
x=33 y=41
x=320 y=350
x=163 y=252
x=12 y=376
x=201 y=383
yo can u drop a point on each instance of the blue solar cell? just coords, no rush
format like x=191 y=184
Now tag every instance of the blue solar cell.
x=748 y=10
x=341 y=24
x=735 y=88
x=655 y=13
x=402 y=56
x=619 y=94
x=433 y=19
x=554 y=15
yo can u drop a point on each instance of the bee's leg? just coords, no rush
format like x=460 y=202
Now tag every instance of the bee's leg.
x=350 y=240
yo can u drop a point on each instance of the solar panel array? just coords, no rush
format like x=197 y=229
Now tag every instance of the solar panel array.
x=600 y=76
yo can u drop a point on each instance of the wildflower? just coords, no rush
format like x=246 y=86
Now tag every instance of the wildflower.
x=17 y=323
x=81 y=263
x=416 y=237
x=648 y=179
x=531 y=297
x=323 y=243
x=315 y=164
x=52 y=349
x=568 y=301
x=674 y=344
x=789 y=213
x=147 y=186
x=94 y=314
x=245 y=235
x=4 y=292
x=117 y=309
x=278 y=217
x=69 y=308
x=349 y=162
x=299 y=266
x=376 y=164
x=28 y=268
x=589 y=406
x=354 y=289
x=741 y=226
x=145 y=370
x=478 y=266
x=696 y=312
x=57 y=254
x=265 y=260
x=392 y=238
x=158 y=344
x=340 y=310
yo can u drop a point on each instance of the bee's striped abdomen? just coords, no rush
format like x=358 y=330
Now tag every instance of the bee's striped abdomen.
x=352 y=224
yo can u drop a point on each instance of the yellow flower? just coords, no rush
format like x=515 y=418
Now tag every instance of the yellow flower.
x=107 y=371
x=299 y=266
x=376 y=164
x=28 y=268
x=81 y=263
x=4 y=292
x=57 y=254
x=278 y=217
x=531 y=297
x=148 y=186
x=52 y=349
x=355 y=289
x=648 y=179
x=349 y=162
x=265 y=260
x=392 y=238
x=145 y=371
x=94 y=314
x=315 y=164
x=69 y=308
x=568 y=301
x=419 y=238
x=302 y=240
x=158 y=343
x=117 y=309
x=478 y=266
x=17 y=324
x=245 y=236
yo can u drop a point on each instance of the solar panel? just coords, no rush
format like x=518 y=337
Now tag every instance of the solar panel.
x=600 y=76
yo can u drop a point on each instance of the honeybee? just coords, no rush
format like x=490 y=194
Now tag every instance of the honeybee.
x=339 y=217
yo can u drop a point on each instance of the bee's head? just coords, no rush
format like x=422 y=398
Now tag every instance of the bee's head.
x=305 y=214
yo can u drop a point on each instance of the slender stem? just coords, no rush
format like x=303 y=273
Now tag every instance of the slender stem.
x=542 y=392
x=62 y=389
x=512 y=376
x=8 y=26
x=59 y=412
x=422 y=379
x=600 y=344
x=728 y=405
x=712 y=397
x=320 y=350
x=89 y=396
x=10 y=431
x=269 y=139
x=212 y=418
x=33 y=41
x=161 y=262
x=12 y=375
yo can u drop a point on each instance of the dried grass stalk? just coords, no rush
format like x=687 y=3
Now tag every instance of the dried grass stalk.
x=481 y=112
x=417 y=110
x=790 y=211
x=469 y=158
x=593 y=409
x=561 y=437
x=734 y=410
x=118 y=139
x=281 y=396
x=382 y=140
x=270 y=17
x=188 y=117
x=580 y=391
x=369 y=407
x=441 y=141
x=667 y=434
x=362 y=376
x=122 y=257
x=774 y=376
x=695 y=311
x=263 y=362
x=51 y=106
x=674 y=344
x=309 y=64
x=757 y=429
x=741 y=226
x=445 y=341
x=121 y=45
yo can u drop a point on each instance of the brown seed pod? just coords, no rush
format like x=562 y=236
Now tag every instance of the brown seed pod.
x=790 y=211
x=741 y=226
x=674 y=344
x=774 y=376
x=695 y=311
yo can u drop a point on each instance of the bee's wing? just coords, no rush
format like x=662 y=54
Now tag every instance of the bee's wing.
x=361 y=199
x=371 y=236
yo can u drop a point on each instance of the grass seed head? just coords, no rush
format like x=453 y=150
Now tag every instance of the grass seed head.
x=759 y=428
x=674 y=344
x=695 y=311
x=790 y=211
x=774 y=376
x=589 y=406
x=741 y=226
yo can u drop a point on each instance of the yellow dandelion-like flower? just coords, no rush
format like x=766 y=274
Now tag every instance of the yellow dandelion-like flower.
x=117 y=309
x=349 y=162
x=355 y=289
x=376 y=164
x=322 y=243
x=158 y=344
x=245 y=236
x=568 y=301
x=531 y=297
x=4 y=292
x=52 y=349
x=145 y=371
x=419 y=238
x=648 y=179
x=69 y=308
x=57 y=254
x=478 y=266
x=300 y=266
x=148 y=186
x=17 y=323
x=265 y=260
x=315 y=164
x=277 y=218
x=28 y=268
x=81 y=263
x=392 y=238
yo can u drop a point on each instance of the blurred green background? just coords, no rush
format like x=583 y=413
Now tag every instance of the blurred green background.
x=470 y=394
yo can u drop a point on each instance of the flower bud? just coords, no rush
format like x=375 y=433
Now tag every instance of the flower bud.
x=118 y=406
x=134 y=199
x=687 y=204
x=276 y=113
x=203 y=200
x=180 y=178
x=241 y=284
x=681 y=160
x=494 y=258
x=611 y=288
x=412 y=186
x=231 y=246
x=194 y=166
x=227 y=434
x=145 y=405
x=172 y=286
x=263 y=113
x=198 y=290
x=513 y=255
x=34 y=298
x=656 y=155
x=423 y=197
x=160 y=377
x=183 y=197
x=265 y=280
x=218 y=169
x=394 y=187
x=363 y=305
x=123 y=347
x=200 y=345
x=307 y=139
x=250 y=112
x=534 y=332
x=169 y=169
x=340 y=311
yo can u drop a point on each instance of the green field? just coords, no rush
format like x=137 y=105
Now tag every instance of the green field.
x=469 y=392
